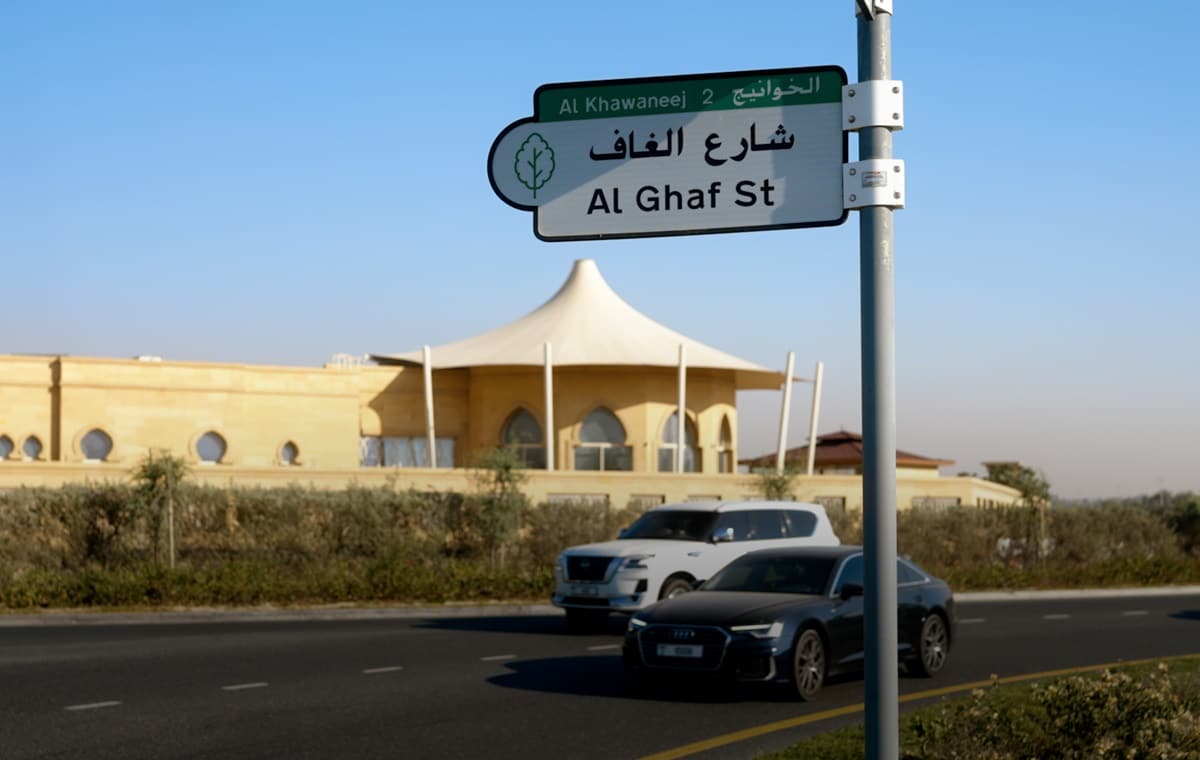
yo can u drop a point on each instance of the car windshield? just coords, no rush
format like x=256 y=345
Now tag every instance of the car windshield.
x=676 y=524
x=774 y=575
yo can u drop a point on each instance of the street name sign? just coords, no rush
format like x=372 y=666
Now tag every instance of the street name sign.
x=751 y=150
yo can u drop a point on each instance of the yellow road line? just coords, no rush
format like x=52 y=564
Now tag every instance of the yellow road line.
x=782 y=725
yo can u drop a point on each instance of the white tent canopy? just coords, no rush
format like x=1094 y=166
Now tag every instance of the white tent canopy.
x=588 y=324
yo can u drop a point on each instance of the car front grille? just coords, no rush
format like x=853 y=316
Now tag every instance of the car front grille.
x=587 y=568
x=584 y=601
x=712 y=640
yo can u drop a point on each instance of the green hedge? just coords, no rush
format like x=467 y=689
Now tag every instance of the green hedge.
x=1145 y=711
x=84 y=545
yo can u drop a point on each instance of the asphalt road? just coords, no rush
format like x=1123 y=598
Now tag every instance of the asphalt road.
x=496 y=687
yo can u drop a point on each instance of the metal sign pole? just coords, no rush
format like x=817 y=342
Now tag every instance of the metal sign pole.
x=876 y=256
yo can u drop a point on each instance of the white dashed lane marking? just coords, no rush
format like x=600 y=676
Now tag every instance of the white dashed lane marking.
x=91 y=706
x=385 y=669
x=244 y=686
x=498 y=658
x=969 y=621
x=603 y=647
x=1135 y=613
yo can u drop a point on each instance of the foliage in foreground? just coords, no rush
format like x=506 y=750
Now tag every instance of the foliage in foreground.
x=1139 y=712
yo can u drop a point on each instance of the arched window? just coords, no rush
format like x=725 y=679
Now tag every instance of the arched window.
x=725 y=447
x=210 y=447
x=96 y=445
x=289 y=453
x=670 y=442
x=602 y=444
x=32 y=448
x=6 y=446
x=523 y=434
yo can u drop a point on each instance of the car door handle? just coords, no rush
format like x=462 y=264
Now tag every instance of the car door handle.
x=693 y=554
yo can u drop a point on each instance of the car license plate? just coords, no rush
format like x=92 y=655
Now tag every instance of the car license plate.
x=680 y=650
x=579 y=590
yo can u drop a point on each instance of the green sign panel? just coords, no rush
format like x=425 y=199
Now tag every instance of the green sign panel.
x=601 y=100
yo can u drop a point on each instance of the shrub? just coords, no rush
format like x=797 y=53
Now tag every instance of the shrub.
x=1145 y=712
x=550 y=528
x=96 y=544
x=773 y=485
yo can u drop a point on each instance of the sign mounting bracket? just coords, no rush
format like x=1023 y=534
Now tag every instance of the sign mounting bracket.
x=875 y=103
x=873 y=182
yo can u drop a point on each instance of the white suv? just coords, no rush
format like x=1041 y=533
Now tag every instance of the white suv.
x=671 y=548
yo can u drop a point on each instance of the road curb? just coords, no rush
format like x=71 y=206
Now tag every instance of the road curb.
x=68 y=618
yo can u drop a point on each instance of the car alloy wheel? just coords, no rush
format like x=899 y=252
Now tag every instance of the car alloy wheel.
x=675 y=587
x=935 y=643
x=808 y=672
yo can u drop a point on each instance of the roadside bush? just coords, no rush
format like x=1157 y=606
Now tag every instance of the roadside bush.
x=1098 y=535
x=1140 y=712
x=550 y=528
x=70 y=527
x=847 y=525
x=1185 y=521
x=960 y=538
x=96 y=544
x=1114 y=714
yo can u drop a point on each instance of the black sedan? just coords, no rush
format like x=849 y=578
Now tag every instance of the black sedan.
x=787 y=615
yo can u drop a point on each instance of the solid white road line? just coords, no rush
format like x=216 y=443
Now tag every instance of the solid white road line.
x=91 y=706
x=498 y=657
x=385 y=669
x=603 y=647
x=1058 y=616
x=244 y=686
x=1135 y=613
x=969 y=621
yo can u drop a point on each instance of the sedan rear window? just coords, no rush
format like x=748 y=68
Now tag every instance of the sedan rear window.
x=674 y=524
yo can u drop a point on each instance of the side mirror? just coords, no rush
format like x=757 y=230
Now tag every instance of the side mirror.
x=697 y=584
x=851 y=590
x=720 y=536
x=624 y=533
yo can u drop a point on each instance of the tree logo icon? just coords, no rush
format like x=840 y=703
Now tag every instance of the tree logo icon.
x=534 y=163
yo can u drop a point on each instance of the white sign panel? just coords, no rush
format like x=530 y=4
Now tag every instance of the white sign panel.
x=678 y=155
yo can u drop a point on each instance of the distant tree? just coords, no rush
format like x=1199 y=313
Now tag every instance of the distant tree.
x=498 y=477
x=1035 y=492
x=157 y=478
x=1034 y=488
x=1184 y=519
x=773 y=485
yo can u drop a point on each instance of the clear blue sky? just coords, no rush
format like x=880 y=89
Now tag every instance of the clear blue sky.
x=274 y=182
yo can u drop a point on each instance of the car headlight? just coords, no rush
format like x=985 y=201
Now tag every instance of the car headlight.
x=760 y=630
x=635 y=624
x=636 y=562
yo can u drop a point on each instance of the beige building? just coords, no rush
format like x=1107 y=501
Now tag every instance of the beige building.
x=585 y=388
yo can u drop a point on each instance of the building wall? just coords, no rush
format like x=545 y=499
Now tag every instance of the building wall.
x=618 y=489
x=27 y=402
x=169 y=405
x=144 y=405
x=324 y=413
